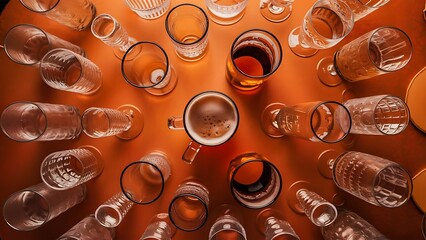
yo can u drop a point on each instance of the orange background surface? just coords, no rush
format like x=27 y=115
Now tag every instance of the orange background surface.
x=294 y=82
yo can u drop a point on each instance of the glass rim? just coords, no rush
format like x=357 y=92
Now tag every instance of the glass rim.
x=217 y=93
x=259 y=159
x=402 y=33
x=222 y=220
x=130 y=81
x=173 y=37
x=385 y=96
x=131 y=198
x=103 y=16
x=340 y=105
x=269 y=35
x=32 y=9
x=112 y=207
x=200 y=199
x=328 y=204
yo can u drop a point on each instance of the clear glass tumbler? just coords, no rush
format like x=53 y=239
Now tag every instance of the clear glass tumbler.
x=362 y=8
x=76 y=14
x=32 y=207
x=33 y=121
x=69 y=168
x=88 y=229
x=65 y=70
x=159 y=228
x=276 y=10
x=27 y=44
x=270 y=224
x=111 y=213
x=148 y=9
x=227 y=224
x=225 y=12
x=317 y=209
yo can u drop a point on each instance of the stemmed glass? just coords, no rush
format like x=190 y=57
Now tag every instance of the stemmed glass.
x=269 y=222
x=276 y=10
x=380 y=51
x=324 y=25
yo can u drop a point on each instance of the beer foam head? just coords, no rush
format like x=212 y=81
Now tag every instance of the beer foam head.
x=211 y=118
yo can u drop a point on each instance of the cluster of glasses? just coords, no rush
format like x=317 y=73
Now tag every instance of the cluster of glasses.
x=210 y=118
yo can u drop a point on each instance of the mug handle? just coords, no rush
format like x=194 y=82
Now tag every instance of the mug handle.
x=190 y=152
x=175 y=123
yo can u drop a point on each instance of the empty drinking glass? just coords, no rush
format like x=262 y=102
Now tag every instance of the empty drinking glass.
x=227 y=224
x=125 y=122
x=33 y=121
x=276 y=10
x=378 y=115
x=268 y=222
x=65 y=70
x=76 y=14
x=362 y=8
x=32 y=207
x=187 y=26
x=143 y=181
x=210 y=119
x=255 y=55
x=328 y=121
x=27 y=44
x=226 y=12
x=111 y=213
x=146 y=65
x=106 y=28
x=88 y=229
x=254 y=181
x=324 y=25
x=381 y=51
x=148 y=9
x=159 y=228
x=69 y=168
x=189 y=208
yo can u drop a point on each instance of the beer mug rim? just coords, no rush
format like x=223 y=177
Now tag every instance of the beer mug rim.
x=185 y=112
x=267 y=34
x=34 y=10
x=127 y=195
x=173 y=37
x=166 y=72
x=193 y=196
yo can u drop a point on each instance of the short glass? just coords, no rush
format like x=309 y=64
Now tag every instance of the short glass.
x=328 y=122
x=159 y=228
x=33 y=121
x=381 y=51
x=142 y=182
x=76 y=14
x=148 y=9
x=189 y=208
x=187 y=26
x=65 y=70
x=88 y=229
x=227 y=224
x=378 y=115
x=69 y=168
x=226 y=12
x=27 y=44
x=270 y=224
x=276 y=10
x=32 y=207
x=146 y=65
x=210 y=119
x=110 y=213
x=255 y=55
x=254 y=181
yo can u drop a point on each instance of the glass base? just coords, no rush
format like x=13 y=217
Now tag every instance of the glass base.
x=163 y=89
x=291 y=197
x=264 y=215
x=225 y=21
x=325 y=165
x=275 y=14
x=137 y=122
x=326 y=73
x=296 y=47
x=194 y=59
x=268 y=118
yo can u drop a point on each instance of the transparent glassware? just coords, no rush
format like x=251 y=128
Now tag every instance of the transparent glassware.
x=227 y=224
x=88 y=229
x=324 y=25
x=106 y=28
x=210 y=118
x=125 y=122
x=65 y=70
x=276 y=10
x=226 y=12
x=143 y=181
x=254 y=181
x=34 y=121
x=270 y=224
x=69 y=168
x=159 y=228
x=381 y=51
x=328 y=122
x=26 y=44
x=362 y=8
x=378 y=115
x=350 y=226
x=148 y=9
x=32 y=207
x=111 y=213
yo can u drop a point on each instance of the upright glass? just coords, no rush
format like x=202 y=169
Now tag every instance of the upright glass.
x=32 y=207
x=381 y=51
x=210 y=119
x=324 y=25
x=110 y=213
x=255 y=55
x=276 y=10
x=34 y=121
x=225 y=12
x=88 y=229
x=148 y=9
x=159 y=228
